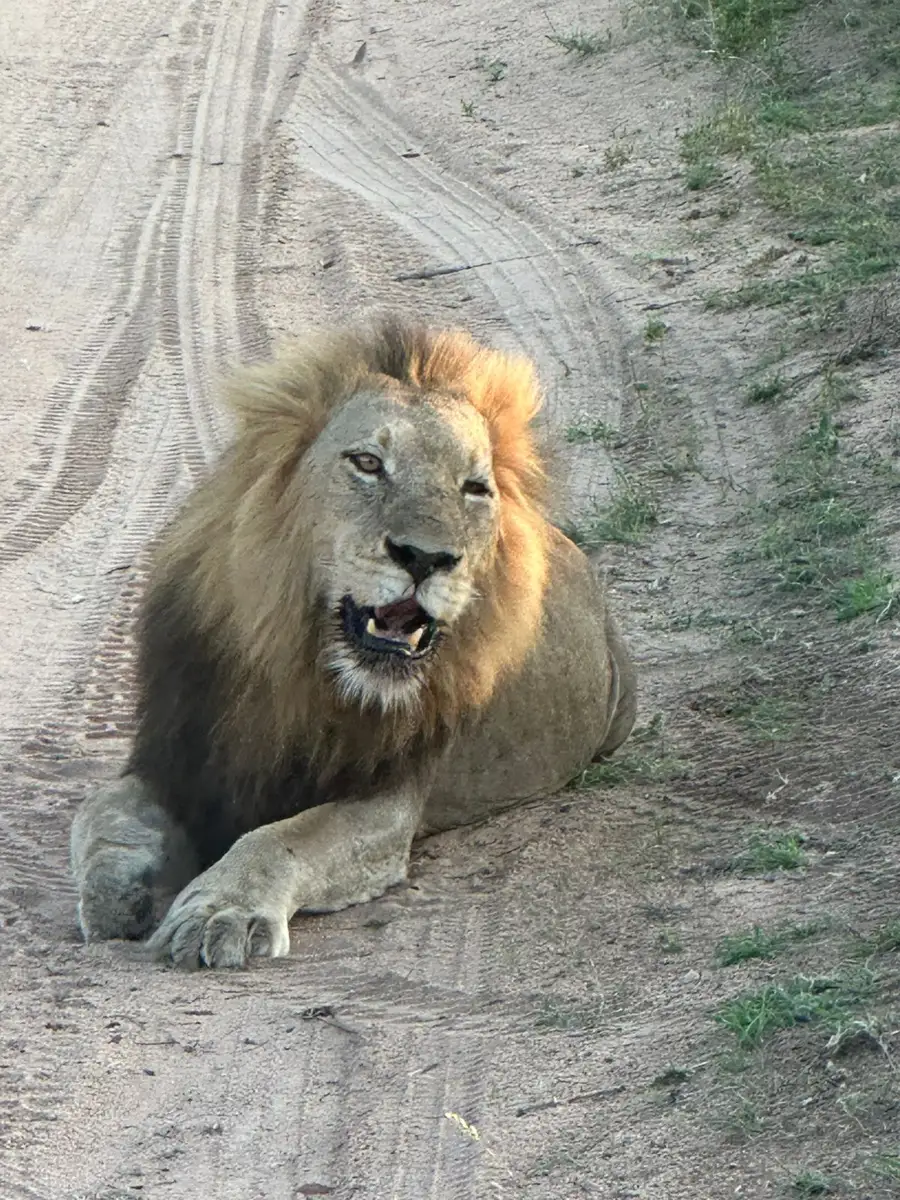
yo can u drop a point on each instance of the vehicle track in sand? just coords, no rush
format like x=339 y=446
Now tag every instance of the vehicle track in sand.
x=127 y=428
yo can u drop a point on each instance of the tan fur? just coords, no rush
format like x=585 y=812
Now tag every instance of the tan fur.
x=239 y=547
x=240 y=636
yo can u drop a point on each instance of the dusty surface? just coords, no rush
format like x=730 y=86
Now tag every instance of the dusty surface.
x=181 y=183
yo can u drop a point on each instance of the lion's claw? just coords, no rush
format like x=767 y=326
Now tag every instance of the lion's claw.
x=199 y=933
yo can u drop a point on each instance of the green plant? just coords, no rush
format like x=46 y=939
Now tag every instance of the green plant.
x=585 y=45
x=632 y=768
x=887 y=1165
x=756 y=943
x=630 y=513
x=876 y=591
x=670 y=942
x=468 y=108
x=617 y=155
x=767 y=391
x=738 y=948
x=770 y=850
x=701 y=175
x=738 y=28
x=655 y=330
x=769 y=719
x=752 y=1015
x=496 y=69
x=593 y=431
x=812 y=1183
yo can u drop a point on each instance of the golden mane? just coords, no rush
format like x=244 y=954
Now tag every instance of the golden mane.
x=240 y=553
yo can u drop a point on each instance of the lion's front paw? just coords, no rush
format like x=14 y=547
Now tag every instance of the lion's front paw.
x=198 y=932
x=115 y=899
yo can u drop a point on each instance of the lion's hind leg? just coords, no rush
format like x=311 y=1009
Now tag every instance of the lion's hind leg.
x=128 y=858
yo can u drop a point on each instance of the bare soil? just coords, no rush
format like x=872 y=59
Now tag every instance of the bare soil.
x=183 y=182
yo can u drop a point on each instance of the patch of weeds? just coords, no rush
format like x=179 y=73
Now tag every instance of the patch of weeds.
x=821 y=145
x=887 y=1165
x=671 y=1077
x=593 y=431
x=875 y=592
x=745 y=1120
x=769 y=719
x=886 y=939
x=631 y=512
x=730 y=129
x=701 y=175
x=812 y=1183
x=468 y=108
x=566 y=1016
x=670 y=942
x=736 y=28
x=655 y=330
x=767 y=391
x=739 y=947
x=829 y=1000
x=617 y=155
x=585 y=45
x=816 y=540
x=632 y=768
x=771 y=850
x=756 y=943
x=496 y=69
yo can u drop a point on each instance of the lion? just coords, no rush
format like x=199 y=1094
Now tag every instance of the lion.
x=361 y=628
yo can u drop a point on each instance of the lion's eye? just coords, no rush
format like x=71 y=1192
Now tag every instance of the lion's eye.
x=369 y=464
x=476 y=487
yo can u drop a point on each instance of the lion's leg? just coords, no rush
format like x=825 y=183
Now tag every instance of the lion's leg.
x=127 y=853
x=321 y=860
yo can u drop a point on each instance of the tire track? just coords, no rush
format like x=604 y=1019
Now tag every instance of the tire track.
x=346 y=139
x=551 y=300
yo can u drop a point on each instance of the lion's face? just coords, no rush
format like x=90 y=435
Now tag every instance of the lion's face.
x=408 y=519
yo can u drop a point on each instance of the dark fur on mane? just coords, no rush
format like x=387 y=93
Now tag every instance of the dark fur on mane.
x=237 y=724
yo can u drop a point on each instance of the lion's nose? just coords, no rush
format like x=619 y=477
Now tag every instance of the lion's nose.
x=421 y=563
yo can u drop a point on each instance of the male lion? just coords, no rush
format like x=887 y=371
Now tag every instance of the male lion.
x=361 y=628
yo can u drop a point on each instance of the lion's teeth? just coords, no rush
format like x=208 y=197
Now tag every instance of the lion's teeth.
x=370 y=627
x=415 y=638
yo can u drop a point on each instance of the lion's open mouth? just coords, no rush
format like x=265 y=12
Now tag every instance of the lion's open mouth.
x=403 y=628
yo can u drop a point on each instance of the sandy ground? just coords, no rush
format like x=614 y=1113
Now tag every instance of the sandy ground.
x=182 y=183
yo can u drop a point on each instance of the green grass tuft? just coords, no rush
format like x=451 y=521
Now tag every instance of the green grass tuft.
x=632 y=768
x=756 y=943
x=585 y=45
x=632 y=511
x=738 y=948
x=831 y=1001
x=812 y=1183
x=701 y=175
x=771 y=850
x=655 y=330
x=593 y=431
x=768 y=391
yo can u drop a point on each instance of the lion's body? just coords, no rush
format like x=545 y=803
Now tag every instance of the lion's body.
x=572 y=701
x=361 y=628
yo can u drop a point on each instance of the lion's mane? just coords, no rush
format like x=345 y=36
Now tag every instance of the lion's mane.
x=233 y=621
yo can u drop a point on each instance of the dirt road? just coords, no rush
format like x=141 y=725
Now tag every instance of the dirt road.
x=182 y=183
